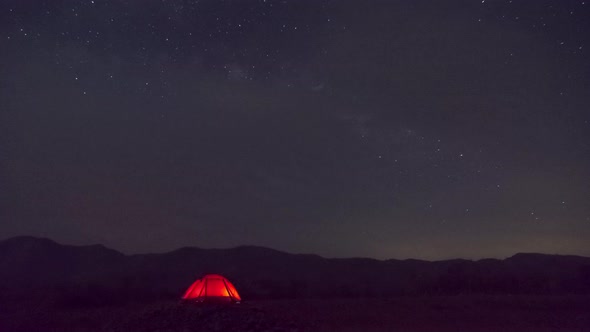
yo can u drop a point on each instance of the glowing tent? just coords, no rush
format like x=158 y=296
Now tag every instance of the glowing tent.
x=212 y=288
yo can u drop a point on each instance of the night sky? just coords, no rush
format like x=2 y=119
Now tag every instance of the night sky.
x=387 y=129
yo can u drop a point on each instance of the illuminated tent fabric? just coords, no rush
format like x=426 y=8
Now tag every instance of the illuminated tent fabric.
x=212 y=287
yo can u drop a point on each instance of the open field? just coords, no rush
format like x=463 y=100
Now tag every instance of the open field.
x=444 y=313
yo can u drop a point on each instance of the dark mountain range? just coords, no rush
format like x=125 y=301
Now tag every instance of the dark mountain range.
x=43 y=270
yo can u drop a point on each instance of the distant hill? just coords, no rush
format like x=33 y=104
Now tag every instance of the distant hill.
x=41 y=269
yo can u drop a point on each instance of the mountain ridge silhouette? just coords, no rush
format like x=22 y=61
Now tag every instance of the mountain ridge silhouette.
x=33 y=267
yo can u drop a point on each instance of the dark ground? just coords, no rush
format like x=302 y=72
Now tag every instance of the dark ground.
x=444 y=313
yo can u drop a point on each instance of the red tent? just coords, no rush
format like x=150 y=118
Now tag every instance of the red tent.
x=212 y=287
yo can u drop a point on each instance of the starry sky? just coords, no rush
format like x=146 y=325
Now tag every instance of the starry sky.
x=388 y=129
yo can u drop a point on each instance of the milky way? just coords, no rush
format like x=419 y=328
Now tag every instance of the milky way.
x=388 y=129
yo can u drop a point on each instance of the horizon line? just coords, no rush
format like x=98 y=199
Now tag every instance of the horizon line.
x=43 y=238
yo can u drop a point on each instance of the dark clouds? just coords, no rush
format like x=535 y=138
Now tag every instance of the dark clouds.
x=399 y=129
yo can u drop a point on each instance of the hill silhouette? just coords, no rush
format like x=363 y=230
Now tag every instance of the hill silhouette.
x=39 y=269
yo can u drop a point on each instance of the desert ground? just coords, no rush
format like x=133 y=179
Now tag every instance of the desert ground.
x=443 y=313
